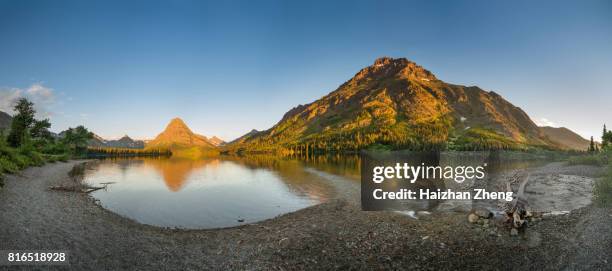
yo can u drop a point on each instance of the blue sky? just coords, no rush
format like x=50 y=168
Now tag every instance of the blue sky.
x=122 y=67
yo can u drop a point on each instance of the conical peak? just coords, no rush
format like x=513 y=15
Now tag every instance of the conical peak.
x=177 y=124
x=178 y=121
x=178 y=133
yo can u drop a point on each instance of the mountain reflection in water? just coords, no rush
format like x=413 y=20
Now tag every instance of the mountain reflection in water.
x=228 y=191
x=176 y=171
x=206 y=193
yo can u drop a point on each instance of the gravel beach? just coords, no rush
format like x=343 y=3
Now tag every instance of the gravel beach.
x=332 y=235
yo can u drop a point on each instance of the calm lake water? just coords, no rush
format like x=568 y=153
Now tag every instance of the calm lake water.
x=207 y=193
x=230 y=191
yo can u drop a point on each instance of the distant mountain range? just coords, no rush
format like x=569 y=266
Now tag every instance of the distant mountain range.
x=399 y=104
x=394 y=103
x=183 y=142
x=124 y=142
x=176 y=135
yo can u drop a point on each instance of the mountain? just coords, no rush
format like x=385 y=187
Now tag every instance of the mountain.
x=5 y=121
x=178 y=136
x=96 y=141
x=126 y=142
x=565 y=138
x=396 y=103
x=244 y=137
x=216 y=141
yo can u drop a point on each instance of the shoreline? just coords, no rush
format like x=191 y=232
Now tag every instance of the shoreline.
x=332 y=235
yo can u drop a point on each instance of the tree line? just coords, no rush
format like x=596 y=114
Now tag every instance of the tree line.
x=30 y=143
x=125 y=152
x=606 y=141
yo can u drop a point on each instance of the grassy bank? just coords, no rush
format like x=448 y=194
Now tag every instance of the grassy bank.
x=599 y=159
x=13 y=160
x=603 y=189
x=603 y=186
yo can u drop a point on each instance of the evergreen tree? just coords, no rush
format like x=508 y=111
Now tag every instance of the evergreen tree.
x=76 y=139
x=604 y=138
x=592 y=145
x=22 y=121
x=40 y=129
x=607 y=139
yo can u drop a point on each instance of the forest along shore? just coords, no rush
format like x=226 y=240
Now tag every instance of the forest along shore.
x=335 y=234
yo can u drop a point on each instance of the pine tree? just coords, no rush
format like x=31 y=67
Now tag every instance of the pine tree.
x=22 y=121
x=592 y=145
x=604 y=138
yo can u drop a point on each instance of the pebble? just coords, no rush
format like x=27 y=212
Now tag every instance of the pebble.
x=473 y=218
x=482 y=212
x=513 y=232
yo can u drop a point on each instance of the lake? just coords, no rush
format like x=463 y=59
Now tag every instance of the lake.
x=207 y=193
x=229 y=191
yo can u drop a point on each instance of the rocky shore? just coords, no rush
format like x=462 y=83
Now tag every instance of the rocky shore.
x=333 y=235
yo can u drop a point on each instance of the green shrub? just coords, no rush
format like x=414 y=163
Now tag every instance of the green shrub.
x=8 y=166
x=56 y=148
x=63 y=158
x=50 y=158
x=21 y=161
x=594 y=160
x=603 y=189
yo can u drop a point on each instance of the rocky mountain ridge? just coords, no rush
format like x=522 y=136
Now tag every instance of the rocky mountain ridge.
x=399 y=104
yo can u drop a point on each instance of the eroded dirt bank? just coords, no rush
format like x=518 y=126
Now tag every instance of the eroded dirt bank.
x=333 y=235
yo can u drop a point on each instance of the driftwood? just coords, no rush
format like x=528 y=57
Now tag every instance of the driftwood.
x=516 y=212
x=65 y=188
x=91 y=189
x=79 y=189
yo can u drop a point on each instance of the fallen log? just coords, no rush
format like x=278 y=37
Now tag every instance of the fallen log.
x=64 y=188
x=91 y=189
x=79 y=189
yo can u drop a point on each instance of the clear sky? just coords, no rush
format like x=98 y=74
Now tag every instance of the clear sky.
x=227 y=67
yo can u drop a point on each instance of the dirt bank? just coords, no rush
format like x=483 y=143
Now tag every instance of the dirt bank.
x=336 y=234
